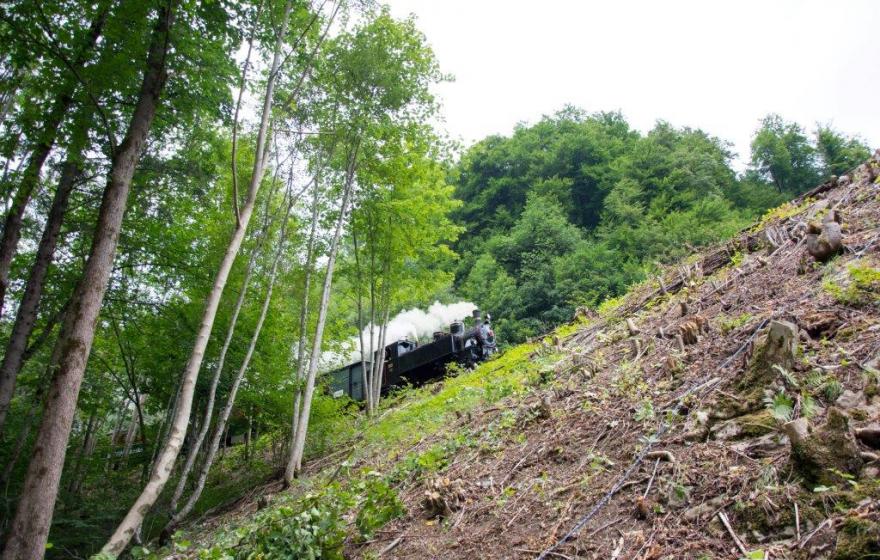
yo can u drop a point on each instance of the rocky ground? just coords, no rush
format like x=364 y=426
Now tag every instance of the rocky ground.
x=727 y=410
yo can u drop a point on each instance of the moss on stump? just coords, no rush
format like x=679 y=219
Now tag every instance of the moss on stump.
x=857 y=538
x=775 y=346
x=827 y=453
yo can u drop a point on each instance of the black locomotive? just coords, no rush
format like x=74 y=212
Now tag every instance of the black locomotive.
x=407 y=361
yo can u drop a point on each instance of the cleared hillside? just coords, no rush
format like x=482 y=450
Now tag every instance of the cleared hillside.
x=727 y=409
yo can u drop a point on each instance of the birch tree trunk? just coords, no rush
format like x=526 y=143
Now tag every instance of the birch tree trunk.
x=26 y=316
x=135 y=516
x=242 y=87
x=366 y=379
x=47 y=136
x=303 y=332
x=380 y=363
x=212 y=390
x=303 y=421
x=386 y=305
x=223 y=419
x=129 y=437
x=30 y=526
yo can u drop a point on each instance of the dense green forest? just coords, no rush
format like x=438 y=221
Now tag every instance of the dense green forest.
x=573 y=209
x=203 y=200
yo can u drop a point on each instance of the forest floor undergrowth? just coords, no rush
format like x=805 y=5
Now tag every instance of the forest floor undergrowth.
x=728 y=408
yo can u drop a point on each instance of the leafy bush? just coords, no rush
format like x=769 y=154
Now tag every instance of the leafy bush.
x=380 y=505
x=435 y=459
x=313 y=529
x=331 y=421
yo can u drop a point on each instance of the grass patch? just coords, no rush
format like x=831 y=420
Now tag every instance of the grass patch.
x=427 y=410
x=782 y=212
x=858 y=286
x=728 y=324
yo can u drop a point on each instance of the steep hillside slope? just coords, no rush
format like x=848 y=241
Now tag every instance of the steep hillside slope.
x=728 y=409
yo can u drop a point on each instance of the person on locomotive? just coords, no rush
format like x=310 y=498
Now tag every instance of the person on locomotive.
x=483 y=344
x=486 y=336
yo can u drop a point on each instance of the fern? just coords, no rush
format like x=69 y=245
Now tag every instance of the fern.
x=832 y=390
x=789 y=377
x=816 y=378
x=809 y=407
x=780 y=405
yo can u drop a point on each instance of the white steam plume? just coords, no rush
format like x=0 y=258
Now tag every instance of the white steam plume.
x=413 y=324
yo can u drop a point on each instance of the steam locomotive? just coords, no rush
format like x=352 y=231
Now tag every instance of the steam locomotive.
x=407 y=361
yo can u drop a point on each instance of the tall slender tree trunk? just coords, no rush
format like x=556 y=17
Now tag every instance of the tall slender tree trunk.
x=379 y=366
x=162 y=432
x=88 y=452
x=223 y=440
x=380 y=360
x=215 y=380
x=27 y=309
x=135 y=516
x=135 y=429
x=247 y=439
x=299 y=440
x=20 y=441
x=30 y=527
x=365 y=377
x=378 y=355
x=372 y=310
x=143 y=433
x=46 y=140
x=242 y=87
x=223 y=419
x=114 y=436
x=80 y=457
x=303 y=331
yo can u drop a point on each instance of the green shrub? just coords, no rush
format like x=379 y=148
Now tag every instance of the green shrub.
x=313 y=528
x=380 y=505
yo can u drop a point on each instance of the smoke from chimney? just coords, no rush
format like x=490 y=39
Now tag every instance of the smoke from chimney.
x=413 y=324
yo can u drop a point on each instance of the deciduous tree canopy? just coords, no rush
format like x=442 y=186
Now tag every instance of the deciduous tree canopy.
x=575 y=208
x=204 y=202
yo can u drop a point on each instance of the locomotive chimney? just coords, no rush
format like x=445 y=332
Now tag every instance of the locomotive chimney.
x=476 y=315
x=456 y=328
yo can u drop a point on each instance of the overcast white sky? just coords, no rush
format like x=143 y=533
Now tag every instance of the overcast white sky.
x=715 y=65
